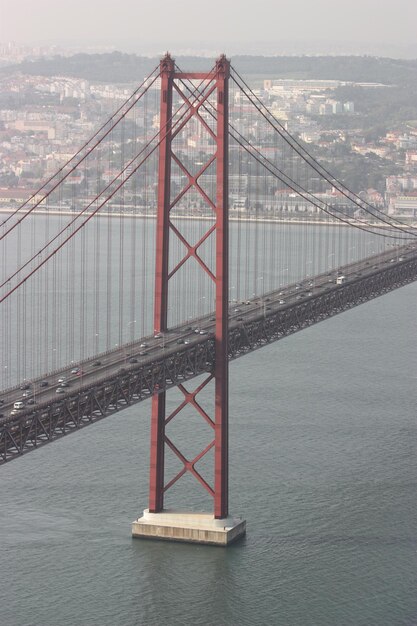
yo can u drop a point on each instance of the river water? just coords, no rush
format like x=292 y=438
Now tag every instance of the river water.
x=323 y=447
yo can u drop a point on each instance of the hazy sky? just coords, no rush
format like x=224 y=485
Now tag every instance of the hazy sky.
x=268 y=26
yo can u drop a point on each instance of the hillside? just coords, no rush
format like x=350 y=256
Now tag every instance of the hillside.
x=118 y=67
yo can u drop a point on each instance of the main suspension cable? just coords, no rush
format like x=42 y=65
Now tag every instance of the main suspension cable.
x=305 y=155
x=88 y=152
x=304 y=193
x=167 y=129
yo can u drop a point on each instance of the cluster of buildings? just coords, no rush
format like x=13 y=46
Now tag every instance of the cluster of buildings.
x=12 y=52
x=291 y=98
x=401 y=193
x=43 y=123
x=44 y=120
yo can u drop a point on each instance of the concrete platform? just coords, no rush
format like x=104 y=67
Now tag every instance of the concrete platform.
x=190 y=527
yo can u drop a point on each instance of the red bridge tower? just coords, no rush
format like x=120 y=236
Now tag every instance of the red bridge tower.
x=157 y=522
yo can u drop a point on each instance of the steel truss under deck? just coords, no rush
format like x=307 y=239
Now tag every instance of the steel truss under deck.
x=45 y=423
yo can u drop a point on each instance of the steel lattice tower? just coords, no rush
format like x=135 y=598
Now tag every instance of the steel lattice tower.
x=214 y=82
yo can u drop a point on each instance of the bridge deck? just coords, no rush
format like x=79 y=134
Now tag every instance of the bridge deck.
x=129 y=374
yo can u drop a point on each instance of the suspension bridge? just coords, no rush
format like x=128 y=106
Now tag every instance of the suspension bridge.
x=189 y=230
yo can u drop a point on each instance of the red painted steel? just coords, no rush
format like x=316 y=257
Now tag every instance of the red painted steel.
x=214 y=82
x=222 y=295
x=156 y=487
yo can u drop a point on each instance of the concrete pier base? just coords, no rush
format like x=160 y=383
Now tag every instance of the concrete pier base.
x=190 y=527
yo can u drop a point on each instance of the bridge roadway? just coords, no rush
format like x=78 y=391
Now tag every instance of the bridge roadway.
x=133 y=372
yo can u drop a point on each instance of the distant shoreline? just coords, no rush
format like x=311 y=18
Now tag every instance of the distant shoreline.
x=201 y=218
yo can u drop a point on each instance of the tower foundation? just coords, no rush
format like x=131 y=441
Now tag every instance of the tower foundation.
x=171 y=525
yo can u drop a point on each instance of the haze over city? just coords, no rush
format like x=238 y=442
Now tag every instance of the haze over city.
x=377 y=27
x=208 y=287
